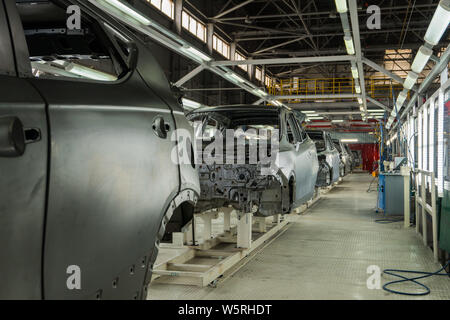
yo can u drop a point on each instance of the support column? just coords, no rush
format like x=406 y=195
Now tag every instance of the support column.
x=417 y=203
x=227 y=219
x=232 y=50
x=178 y=14
x=406 y=187
x=244 y=230
x=262 y=227
x=188 y=234
x=209 y=37
x=434 y=218
x=423 y=196
x=276 y=219
x=207 y=226
x=251 y=70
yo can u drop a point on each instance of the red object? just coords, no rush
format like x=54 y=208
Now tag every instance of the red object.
x=370 y=155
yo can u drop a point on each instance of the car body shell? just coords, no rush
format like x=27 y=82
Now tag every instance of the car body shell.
x=346 y=158
x=329 y=160
x=95 y=186
x=297 y=164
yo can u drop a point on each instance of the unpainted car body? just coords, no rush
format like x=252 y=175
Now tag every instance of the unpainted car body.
x=242 y=185
x=351 y=157
x=87 y=183
x=346 y=160
x=328 y=155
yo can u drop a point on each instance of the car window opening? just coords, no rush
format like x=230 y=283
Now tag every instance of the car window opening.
x=59 y=52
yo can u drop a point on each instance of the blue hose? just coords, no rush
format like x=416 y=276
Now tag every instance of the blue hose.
x=414 y=280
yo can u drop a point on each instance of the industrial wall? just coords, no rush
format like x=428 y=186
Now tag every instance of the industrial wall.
x=175 y=66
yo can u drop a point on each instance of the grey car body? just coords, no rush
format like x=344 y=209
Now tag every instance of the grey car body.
x=328 y=155
x=87 y=182
x=351 y=156
x=242 y=185
x=346 y=159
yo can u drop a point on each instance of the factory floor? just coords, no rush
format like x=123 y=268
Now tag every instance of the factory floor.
x=325 y=254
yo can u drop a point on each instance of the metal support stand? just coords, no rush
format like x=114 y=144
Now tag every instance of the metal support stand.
x=406 y=197
x=227 y=219
x=244 y=230
x=261 y=222
x=426 y=208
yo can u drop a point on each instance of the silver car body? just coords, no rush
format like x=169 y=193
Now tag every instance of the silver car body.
x=242 y=185
x=328 y=157
x=346 y=160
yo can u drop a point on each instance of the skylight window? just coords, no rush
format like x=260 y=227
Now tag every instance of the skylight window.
x=240 y=57
x=165 y=6
x=193 y=25
x=221 y=46
x=258 y=74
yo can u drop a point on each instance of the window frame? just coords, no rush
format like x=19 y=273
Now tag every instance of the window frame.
x=237 y=55
x=290 y=122
x=23 y=56
x=258 y=70
x=198 y=22
x=160 y=8
x=7 y=65
x=216 y=39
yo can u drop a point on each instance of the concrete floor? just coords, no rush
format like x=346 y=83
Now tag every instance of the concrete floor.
x=325 y=255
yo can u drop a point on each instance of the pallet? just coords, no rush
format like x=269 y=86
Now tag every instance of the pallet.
x=201 y=265
x=188 y=262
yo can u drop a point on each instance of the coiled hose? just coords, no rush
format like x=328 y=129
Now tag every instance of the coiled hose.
x=394 y=272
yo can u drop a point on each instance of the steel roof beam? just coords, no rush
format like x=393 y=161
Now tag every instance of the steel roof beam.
x=357 y=42
x=283 y=60
x=233 y=9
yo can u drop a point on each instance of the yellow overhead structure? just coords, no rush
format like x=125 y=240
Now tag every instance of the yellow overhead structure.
x=376 y=87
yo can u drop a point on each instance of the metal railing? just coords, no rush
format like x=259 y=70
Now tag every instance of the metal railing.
x=376 y=87
x=431 y=209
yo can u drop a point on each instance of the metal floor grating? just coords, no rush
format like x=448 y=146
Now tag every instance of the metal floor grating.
x=325 y=255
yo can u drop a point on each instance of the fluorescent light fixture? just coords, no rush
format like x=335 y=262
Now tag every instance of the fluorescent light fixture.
x=128 y=10
x=421 y=59
x=357 y=89
x=439 y=23
x=277 y=103
x=47 y=68
x=341 y=6
x=233 y=76
x=88 y=72
x=401 y=99
x=259 y=92
x=376 y=111
x=316 y=118
x=355 y=72
x=195 y=53
x=337 y=121
x=411 y=80
x=309 y=111
x=349 y=45
x=349 y=140
x=191 y=104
